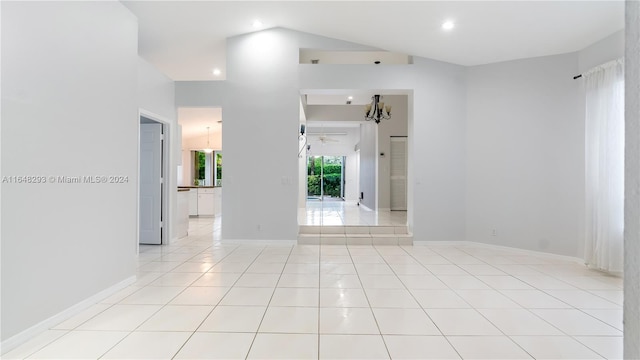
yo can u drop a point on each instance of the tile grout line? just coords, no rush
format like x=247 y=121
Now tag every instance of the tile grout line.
x=157 y=311
x=193 y=248
x=268 y=303
x=216 y=305
x=416 y=300
x=369 y=302
x=319 y=291
x=550 y=295
x=534 y=314
x=110 y=306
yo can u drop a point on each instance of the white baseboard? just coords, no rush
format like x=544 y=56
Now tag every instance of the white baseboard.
x=364 y=207
x=501 y=247
x=425 y=243
x=531 y=252
x=258 y=242
x=22 y=337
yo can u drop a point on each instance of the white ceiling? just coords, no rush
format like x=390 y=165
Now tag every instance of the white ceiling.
x=194 y=121
x=186 y=39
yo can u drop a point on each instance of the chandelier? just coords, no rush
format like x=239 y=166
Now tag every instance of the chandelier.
x=377 y=110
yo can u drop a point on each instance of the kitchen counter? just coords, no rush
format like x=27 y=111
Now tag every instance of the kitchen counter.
x=203 y=200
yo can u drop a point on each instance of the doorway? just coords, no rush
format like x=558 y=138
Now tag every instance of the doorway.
x=325 y=178
x=153 y=197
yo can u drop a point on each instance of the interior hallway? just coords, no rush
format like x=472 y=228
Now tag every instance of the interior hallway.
x=201 y=299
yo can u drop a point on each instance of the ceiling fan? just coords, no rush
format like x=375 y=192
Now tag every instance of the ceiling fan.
x=323 y=138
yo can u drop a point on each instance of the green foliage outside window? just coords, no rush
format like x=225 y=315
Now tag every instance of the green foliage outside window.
x=332 y=176
x=218 y=169
x=200 y=164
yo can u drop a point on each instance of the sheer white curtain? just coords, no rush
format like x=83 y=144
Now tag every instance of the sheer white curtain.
x=605 y=166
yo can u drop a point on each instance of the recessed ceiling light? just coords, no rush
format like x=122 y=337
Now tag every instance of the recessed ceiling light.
x=257 y=24
x=448 y=25
x=217 y=72
x=350 y=98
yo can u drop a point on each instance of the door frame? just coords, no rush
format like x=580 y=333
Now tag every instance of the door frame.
x=166 y=177
x=357 y=179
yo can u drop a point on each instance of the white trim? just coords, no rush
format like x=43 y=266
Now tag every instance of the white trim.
x=166 y=167
x=26 y=335
x=500 y=247
x=426 y=243
x=258 y=242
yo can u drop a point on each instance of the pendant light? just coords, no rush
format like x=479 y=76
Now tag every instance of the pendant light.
x=208 y=149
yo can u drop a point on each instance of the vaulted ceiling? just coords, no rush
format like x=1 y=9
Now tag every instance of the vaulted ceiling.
x=186 y=39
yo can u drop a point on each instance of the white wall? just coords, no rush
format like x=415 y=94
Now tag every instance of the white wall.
x=201 y=93
x=437 y=122
x=437 y=116
x=69 y=108
x=200 y=142
x=368 y=165
x=525 y=155
x=156 y=92
x=337 y=113
x=525 y=140
x=261 y=105
x=396 y=126
x=260 y=137
x=156 y=97
x=436 y=180
x=632 y=184
x=186 y=168
x=607 y=49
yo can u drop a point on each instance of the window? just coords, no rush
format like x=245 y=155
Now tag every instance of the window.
x=207 y=168
x=218 y=174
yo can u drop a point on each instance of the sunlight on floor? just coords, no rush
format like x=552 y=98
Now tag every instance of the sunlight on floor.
x=336 y=213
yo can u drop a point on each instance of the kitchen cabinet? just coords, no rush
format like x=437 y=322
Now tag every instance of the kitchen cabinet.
x=206 y=203
x=193 y=202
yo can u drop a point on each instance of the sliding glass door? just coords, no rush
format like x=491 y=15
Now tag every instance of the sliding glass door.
x=325 y=177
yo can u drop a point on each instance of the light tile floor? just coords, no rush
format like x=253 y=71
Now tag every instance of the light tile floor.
x=200 y=299
x=336 y=213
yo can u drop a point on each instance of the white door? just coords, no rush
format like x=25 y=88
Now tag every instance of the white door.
x=150 y=184
x=398 y=173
